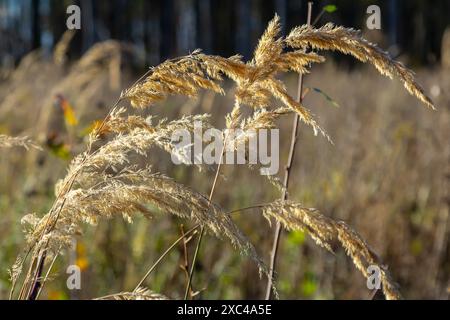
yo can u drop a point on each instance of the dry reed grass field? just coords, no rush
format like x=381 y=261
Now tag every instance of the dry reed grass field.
x=84 y=143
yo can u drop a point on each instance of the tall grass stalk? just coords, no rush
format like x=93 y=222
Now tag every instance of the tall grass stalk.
x=288 y=167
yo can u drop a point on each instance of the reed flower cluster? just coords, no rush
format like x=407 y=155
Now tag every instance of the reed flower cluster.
x=25 y=142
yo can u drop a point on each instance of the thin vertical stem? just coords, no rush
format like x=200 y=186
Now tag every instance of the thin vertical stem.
x=294 y=138
x=194 y=260
x=202 y=229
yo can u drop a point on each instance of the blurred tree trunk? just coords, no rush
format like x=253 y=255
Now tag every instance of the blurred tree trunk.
x=35 y=24
x=243 y=37
x=57 y=19
x=167 y=29
x=186 y=26
x=152 y=32
x=204 y=25
x=120 y=19
x=87 y=18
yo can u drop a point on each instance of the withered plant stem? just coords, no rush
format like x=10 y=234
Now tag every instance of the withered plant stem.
x=202 y=228
x=287 y=173
x=153 y=267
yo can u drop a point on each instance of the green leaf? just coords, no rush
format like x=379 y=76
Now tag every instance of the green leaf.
x=327 y=97
x=330 y=8
x=309 y=285
x=60 y=150
x=296 y=237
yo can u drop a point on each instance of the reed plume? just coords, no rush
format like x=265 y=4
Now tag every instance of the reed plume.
x=350 y=42
x=25 y=142
x=327 y=232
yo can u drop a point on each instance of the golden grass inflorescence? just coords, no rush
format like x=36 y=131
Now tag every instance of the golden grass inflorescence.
x=140 y=294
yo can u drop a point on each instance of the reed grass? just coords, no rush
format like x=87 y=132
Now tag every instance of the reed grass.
x=105 y=181
x=25 y=142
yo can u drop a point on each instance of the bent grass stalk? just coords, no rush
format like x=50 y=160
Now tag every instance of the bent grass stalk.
x=202 y=229
x=157 y=262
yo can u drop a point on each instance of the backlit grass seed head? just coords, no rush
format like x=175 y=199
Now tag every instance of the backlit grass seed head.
x=327 y=232
x=350 y=42
x=132 y=191
x=25 y=142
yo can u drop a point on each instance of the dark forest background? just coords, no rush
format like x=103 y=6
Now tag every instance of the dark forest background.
x=166 y=28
